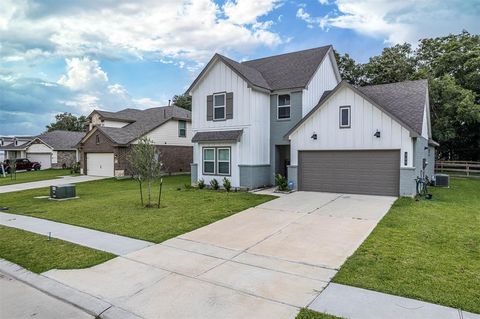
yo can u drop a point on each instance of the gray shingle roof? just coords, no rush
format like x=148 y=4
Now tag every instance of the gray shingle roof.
x=406 y=100
x=216 y=136
x=12 y=147
x=284 y=71
x=290 y=70
x=143 y=122
x=62 y=140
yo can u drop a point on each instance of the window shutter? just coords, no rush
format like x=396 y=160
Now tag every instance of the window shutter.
x=209 y=107
x=229 y=104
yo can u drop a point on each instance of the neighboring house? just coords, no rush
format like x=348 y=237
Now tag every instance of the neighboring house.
x=55 y=149
x=291 y=114
x=105 y=148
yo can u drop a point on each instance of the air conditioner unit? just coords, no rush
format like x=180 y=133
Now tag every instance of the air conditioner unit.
x=442 y=180
x=62 y=191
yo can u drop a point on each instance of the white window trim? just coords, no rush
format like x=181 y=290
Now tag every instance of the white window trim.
x=345 y=107
x=279 y=106
x=180 y=128
x=224 y=106
x=224 y=161
x=214 y=160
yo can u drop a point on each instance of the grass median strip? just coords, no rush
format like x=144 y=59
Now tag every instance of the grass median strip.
x=34 y=176
x=113 y=206
x=427 y=250
x=39 y=254
x=310 y=314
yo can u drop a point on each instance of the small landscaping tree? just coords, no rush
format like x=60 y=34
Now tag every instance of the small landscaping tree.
x=146 y=166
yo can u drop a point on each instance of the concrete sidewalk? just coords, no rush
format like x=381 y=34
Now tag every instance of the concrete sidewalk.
x=18 y=300
x=115 y=244
x=48 y=182
x=356 y=303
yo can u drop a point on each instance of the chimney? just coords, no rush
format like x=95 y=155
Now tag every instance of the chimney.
x=168 y=102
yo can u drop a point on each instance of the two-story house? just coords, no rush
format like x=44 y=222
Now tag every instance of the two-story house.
x=104 y=149
x=291 y=114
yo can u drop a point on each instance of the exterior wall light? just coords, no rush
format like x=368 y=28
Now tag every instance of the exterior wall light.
x=377 y=134
x=314 y=136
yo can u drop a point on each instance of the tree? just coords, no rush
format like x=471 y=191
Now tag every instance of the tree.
x=145 y=165
x=395 y=64
x=183 y=101
x=349 y=70
x=68 y=122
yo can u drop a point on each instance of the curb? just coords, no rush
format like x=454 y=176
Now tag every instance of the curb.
x=90 y=304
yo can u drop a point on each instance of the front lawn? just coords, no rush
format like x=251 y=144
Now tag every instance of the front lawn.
x=310 y=314
x=38 y=254
x=114 y=206
x=33 y=176
x=427 y=250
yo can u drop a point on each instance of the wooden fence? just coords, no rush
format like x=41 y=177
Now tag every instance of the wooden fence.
x=463 y=168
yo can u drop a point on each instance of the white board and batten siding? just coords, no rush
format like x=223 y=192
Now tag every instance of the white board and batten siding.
x=365 y=120
x=251 y=112
x=167 y=134
x=324 y=79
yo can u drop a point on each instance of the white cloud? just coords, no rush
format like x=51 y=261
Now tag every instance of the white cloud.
x=247 y=11
x=170 y=29
x=83 y=73
x=399 y=21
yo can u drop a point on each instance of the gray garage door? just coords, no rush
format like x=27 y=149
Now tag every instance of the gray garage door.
x=355 y=172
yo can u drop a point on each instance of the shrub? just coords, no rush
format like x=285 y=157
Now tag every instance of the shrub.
x=214 y=184
x=227 y=184
x=75 y=169
x=187 y=186
x=201 y=184
x=281 y=182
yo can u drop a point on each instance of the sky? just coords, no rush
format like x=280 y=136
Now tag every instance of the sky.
x=79 y=55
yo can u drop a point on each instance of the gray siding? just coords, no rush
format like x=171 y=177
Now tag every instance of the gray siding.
x=278 y=128
x=293 y=175
x=407 y=181
x=420 y=152
x=194 y=173
x=254 y=176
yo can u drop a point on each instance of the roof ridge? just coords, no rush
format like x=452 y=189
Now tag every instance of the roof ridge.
x=287 y=53
x=383 y=84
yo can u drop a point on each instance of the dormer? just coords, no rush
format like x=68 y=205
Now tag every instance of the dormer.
x=107 y=119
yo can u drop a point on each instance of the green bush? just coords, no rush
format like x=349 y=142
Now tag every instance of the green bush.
x=281 y=182
x=201 y=183
x=75 y=169
x=227 y=184
x=214 y=184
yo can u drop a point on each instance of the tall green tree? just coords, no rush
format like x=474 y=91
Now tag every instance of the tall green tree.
x=68 y=122
x=395 y=64
x=351 y=71
x=183 y=101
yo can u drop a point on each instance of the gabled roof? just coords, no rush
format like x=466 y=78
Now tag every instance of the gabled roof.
x=142 y=122
x=57 y=140
x=403 y=101
x=284 y=71
x=406 y=100
x=61 y=140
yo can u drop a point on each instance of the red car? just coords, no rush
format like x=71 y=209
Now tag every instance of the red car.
x=22 y=164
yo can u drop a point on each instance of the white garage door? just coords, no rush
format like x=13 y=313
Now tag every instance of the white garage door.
x=100 y=164
x=45 y=159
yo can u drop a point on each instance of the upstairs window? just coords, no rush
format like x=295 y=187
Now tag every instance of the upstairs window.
x=219 y=106
x=182 y=129
x=344 y=116
x=283 y=107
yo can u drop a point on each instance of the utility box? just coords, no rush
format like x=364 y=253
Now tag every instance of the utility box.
x=442 y=180
x=62 y=191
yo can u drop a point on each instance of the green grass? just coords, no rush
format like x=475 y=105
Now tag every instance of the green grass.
x=38 y=254
x=114 y=206
x=310 y=314
x=33 y=176
x=427 y=250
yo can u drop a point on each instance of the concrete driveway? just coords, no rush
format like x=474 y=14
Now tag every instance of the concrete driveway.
x=265 y=262
x=46 y=183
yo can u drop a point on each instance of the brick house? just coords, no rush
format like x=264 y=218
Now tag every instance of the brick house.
x=105 y=147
